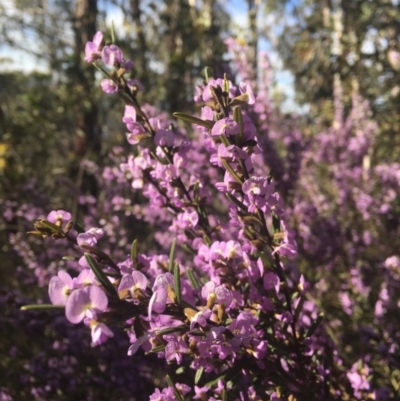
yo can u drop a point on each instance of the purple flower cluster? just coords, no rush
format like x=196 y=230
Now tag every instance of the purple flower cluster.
x=227 y=305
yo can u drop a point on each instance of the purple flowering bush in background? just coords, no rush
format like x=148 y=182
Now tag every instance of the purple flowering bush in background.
x=252 y=278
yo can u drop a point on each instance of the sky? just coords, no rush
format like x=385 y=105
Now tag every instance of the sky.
x=12 y=59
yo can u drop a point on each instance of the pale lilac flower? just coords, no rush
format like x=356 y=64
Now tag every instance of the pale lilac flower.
x=60 y=288
x=200 y=392
x=226 y=127
x=90 y=237
x=92 y=49
x=174 y=349
x=135 y=84
x=86 y=277
x=128 y=65
x=141 y=341
x=109 y=86
x=112 y=55
x=100 y=333
x=59 y=217
x=271 y=281
x=158 y=301
x=129 y=115
x=246 y=89
x=131 y=282
x=200 y=318
x=85 y=302
x=359 y=378
x=164 y=137
x=222 y=294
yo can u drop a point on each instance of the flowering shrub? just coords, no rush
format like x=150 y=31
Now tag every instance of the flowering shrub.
x=220 y=298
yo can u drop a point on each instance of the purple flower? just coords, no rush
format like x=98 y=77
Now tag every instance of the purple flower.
x=135 y=84
x=174 y=349
x=86 y=277
x=112 y=55
x=158 y=300
x=58 y=217
x=100 y=333
x=129 y=115
x=271 y=281
x=131 y=282
x=200 y=392
x=217 y=294
x=92 y=49
x=358 y=378
x=90 y=237
x=246 y=89
x=85 y=302
x=109 y=86
x=60 y=288
x=164 y=137
x=200 y=318
x=226 y=127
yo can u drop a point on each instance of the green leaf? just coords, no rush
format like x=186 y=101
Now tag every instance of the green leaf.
x=232 y=172
x=192 y=279
x=134 y=254
x=51 y=226
x=157 y=349
x=215 y=381
x=194 y=120
x=237 y=116
x=177 y=283
x=100 y=275
x=42 y=307
x=175 y=329
x=172 y=256
x=237 y=202
x=198 y=375
x=208 y=73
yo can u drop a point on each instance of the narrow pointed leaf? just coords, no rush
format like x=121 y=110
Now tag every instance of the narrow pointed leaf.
x=224 y=395
x=175 y=329
x=237 y=116
x=208 y=73
x=192 y=279
x=177 y=283
x=198 y=375
x=51 y=226
x=237 y=202
x=42 y=307
x=134 y=254
x=157 y=349
x=172 y=256
x=194 y=120
x=100 y=275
